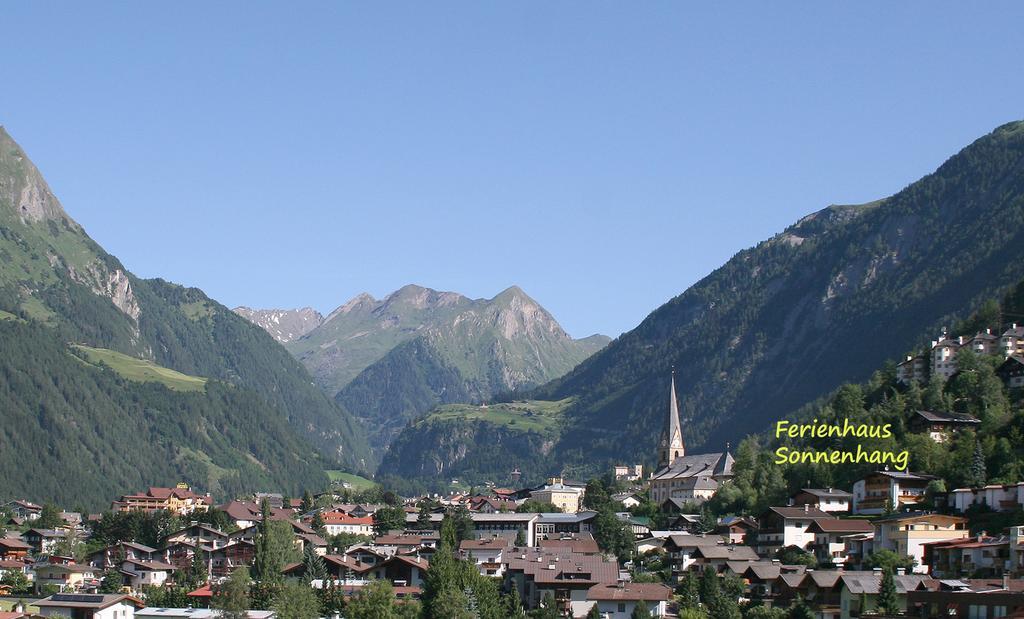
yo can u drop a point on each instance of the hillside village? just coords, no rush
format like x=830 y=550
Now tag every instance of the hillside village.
x=629 y=545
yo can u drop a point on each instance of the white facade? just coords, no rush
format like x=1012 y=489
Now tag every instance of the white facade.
x=611 y=609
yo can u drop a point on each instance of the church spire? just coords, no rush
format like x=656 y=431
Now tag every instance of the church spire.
x=671 y=445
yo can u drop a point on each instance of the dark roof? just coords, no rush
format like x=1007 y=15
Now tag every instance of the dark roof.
x=705 y=465
x=840 y=525
x=827 y=492
x=947 y=417
x=804 y=511
x=82 y=600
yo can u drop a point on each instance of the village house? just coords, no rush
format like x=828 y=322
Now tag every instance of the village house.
x=336 y=523
x=112 y=555
x=13 y=549
x=581 y=543
x=979 y=556
x=857 y=589
x=179 y=500
x=199 y=534
x=342 y=568
x=622 y=472
x=65 y=576
x=80 y=606
x=998 y=497
x=968 y=598
x=567 y=498
x=43 y=541
x=787 y=526
x=1011 y=371
x=737 y=529
x=718 y=557
x=764 y=578
x=829 y=500
x=408 y=541
x=402 y=570
x=819 y=588
x=26 y=510
x=943 y=356
x=880 y=490
x=913 y=369
x=830 y=535
x=486 y=554
x=627 y=499
x=906 y=534
x=1015 y=561
x=1012 y=341
x=226 y=559
x=506 y=525
x=681 y=549
x=146 y=573
x=618 y=601
x=549 y=524
x=985 y=343
x=940 y=426
x=694 y=477
x=565 y=575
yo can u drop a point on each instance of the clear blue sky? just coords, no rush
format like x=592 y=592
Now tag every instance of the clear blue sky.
x=603 y=156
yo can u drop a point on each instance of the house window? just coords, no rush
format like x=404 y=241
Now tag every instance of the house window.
x=622 y=607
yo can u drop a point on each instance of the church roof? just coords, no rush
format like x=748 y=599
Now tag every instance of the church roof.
x=699 y=465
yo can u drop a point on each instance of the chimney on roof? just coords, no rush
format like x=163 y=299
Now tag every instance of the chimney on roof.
x=807 y=508
x=1006 y=582
x=901 y=571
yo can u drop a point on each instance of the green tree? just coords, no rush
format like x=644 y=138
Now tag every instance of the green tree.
x=689 y=590
x=198 y=571
x=296 y=600
x=388 y=519
x=275 y=546
x=794 y=555
x=374 y=601
x=307 y=502
x=594 y=612
x=49 y=517
x=313 y=565
x=232 y=597
x=888 y=560
x=548 y=608
x=453 y=603
x=640 y=611
x=800 y=610
x=514 y=605
x=978 y=474
x=887 y=598
x=112 y=581
x=521 y=538
x=17 y=581
x=463 y=522
x=533 y=506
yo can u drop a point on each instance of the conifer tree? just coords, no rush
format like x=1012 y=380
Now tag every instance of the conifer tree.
x=887 y=598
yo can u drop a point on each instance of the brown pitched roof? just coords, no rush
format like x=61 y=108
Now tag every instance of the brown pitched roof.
x=632 y=591
x=840 y=525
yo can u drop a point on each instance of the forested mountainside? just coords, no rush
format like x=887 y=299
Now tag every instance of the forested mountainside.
x=59 y=287
x=990 y=452
x=786 y=322
x=389 y=361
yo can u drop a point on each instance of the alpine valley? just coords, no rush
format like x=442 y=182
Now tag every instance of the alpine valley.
x=391 y=360
x=830 y=299
x=97 y=362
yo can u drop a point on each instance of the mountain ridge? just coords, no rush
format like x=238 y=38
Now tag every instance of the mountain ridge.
x=784 y=322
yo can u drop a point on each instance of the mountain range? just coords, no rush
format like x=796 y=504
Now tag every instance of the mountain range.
x=391 y=360
x=781 y=324
x=110 y=383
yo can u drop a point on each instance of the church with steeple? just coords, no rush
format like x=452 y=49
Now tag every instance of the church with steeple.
x=679 y=476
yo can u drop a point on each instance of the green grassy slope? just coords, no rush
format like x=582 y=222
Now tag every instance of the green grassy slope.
x=141 y=370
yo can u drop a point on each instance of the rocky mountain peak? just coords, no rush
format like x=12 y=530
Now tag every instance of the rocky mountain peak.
x=284 y=325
